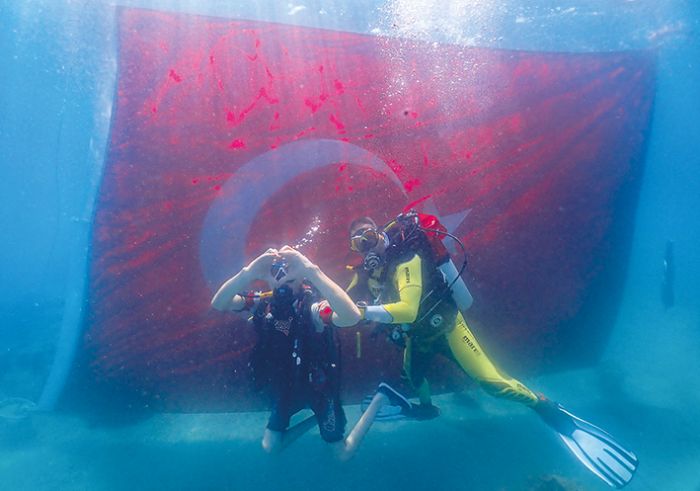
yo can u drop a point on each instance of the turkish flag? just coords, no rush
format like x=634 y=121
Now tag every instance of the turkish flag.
x=231 y=136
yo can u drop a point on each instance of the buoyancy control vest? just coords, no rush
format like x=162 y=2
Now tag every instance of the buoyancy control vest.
x=290 y=354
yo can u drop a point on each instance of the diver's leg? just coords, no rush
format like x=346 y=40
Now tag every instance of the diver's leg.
x=469 y=355
x=272 y=441
x=416 y=361
x=595 y=448
x=331 y=422
x=277 y=434
x=276 y=441
x=414 y=367
x=345 y=449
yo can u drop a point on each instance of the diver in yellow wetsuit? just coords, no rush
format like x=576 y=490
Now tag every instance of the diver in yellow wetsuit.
x=401 y=286
x=406 y=290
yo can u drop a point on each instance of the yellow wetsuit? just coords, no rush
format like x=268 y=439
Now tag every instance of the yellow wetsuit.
x=400 y=295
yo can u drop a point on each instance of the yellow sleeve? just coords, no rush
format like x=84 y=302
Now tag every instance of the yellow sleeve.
x=408 y=280
x=353 y=282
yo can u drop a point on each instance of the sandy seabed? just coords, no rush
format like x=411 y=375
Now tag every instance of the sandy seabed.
x=478 y=443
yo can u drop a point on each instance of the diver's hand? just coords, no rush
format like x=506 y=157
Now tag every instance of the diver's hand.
x=259 y=268
x=299 y=265
x=227 y=296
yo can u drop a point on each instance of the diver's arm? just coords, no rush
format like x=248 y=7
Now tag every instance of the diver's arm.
x=409 y=284
x=345 y=312
x=227 y=298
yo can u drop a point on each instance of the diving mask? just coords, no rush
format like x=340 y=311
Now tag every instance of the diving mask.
x=365 y=240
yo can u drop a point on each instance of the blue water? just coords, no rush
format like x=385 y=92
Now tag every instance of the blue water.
x=57 y=77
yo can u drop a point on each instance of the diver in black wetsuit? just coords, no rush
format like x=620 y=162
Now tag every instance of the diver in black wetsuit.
x=297 y=357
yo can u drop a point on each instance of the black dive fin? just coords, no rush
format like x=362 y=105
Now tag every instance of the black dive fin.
x=398 y=406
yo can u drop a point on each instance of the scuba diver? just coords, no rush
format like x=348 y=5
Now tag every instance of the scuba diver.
x=410 y=287
x=297 y=356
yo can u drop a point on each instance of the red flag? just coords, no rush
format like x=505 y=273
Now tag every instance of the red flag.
x=232 y=136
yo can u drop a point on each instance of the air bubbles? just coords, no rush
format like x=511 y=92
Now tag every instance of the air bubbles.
x=310 y=234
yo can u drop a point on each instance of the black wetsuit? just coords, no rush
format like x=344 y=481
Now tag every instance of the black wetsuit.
x=298 y=366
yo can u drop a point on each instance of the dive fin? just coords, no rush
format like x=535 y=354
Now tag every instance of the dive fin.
x=398 y=406
x=592 y=446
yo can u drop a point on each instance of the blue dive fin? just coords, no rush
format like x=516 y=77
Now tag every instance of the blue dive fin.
x=592 y=446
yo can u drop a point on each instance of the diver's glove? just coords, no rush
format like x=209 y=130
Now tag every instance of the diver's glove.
x=362 y=307
x=374 y=313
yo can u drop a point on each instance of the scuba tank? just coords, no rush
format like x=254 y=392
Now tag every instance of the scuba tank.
x=436 y=232
x=406 y=228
